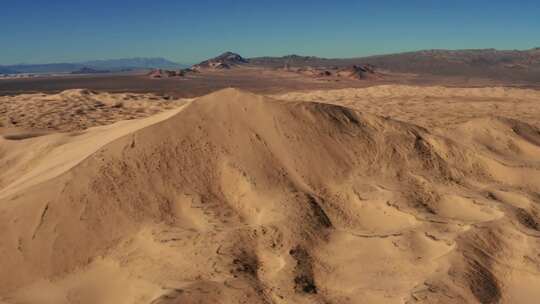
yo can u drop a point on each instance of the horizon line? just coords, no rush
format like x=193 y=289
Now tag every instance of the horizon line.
x=275 y=56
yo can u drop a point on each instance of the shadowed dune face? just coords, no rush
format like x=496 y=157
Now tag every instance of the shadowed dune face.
x=238 y=198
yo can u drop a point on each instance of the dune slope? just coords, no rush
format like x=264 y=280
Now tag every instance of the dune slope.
x=74 y=110
x=238 y=198
x=433 y=106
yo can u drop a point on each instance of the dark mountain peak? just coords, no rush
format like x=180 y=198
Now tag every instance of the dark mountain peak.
x=226 y=60
x=230 y=57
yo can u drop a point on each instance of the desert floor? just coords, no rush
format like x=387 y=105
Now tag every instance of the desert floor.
x=382 y=194
x=255 y=80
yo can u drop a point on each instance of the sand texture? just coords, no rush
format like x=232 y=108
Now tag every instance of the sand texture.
x=77 y=109
x=388 y=194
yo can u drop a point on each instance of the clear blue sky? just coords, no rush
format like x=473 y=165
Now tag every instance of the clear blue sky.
x=39 y=31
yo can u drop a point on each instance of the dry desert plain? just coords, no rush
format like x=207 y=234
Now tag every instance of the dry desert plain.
x=297 y=193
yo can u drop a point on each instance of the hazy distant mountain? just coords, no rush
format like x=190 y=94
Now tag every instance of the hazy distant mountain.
x=291 y=60
x=112 y=65
x=485 y=63
x=44 y=68
x=126 y=63
x=481 y=63
x=87 y=70
x=4 y=70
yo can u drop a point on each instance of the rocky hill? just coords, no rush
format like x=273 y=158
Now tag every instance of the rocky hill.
x=226 y=60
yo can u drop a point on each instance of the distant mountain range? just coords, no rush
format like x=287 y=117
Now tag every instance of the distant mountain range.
x=98 y=66
x=483 y=63
x=5 y=70
x=486 y=63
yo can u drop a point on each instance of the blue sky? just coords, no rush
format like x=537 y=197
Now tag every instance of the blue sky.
x=41 y=31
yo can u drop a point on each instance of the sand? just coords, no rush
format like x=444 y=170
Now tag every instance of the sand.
x=388 y=194
x=431 y=107
x=77 y=109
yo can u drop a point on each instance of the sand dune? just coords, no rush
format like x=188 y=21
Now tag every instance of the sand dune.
x=432 y=107
x=74 y=110
x=240 y=198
